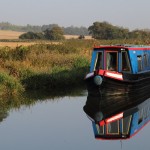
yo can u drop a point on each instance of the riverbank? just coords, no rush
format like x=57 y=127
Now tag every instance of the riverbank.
x=44 y=66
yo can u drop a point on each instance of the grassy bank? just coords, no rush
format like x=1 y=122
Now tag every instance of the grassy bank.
x=44 y=66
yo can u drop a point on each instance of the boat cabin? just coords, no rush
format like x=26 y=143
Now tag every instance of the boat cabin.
x=130 y=59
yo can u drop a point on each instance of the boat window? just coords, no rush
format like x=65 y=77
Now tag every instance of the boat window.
x=125 y=62
x=112 y=61
x=146 y=112
x=126 y=124
x=139 y=59
x=140 y=114
x=100 y=129
x=113 y=127
x=145 y=60
x=98 y=64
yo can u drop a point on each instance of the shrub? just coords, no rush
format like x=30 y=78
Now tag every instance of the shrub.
x=9 y=85
x=31 y=35
x=56 y=33
x=20 y=53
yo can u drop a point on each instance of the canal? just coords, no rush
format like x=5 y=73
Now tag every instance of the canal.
x=58 y=124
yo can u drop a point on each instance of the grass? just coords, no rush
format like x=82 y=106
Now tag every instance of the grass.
x=44 y=66
x=9 y=85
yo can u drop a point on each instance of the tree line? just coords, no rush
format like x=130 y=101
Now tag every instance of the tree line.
x=72 y=30
x=55 y=33
x=98 y=30
x=107 y=31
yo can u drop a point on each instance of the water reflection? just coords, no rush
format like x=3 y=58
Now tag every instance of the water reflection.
x=117 y=117
x=55 y=123
x=30 y=98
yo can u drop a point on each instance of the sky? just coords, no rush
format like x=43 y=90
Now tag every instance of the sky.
x=131 y=14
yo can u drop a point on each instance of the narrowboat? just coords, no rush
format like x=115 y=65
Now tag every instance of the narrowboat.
x=124 y=124
x=119 y=70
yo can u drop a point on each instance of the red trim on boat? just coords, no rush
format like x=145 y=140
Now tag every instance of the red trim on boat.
x=114 y=118
x=108 y=47
x=139 y=129
x=111 y=74
x=124 y=47
x=111 y=119
x=102 y=123
x=139 y=48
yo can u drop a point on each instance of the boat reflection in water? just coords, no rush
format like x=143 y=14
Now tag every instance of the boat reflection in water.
x=117 y=117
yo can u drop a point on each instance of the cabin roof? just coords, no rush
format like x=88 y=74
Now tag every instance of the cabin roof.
x=124 y=46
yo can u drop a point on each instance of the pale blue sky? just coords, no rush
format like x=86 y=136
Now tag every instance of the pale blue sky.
x=131 y=14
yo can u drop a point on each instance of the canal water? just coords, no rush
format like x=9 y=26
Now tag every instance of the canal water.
x=58 y=124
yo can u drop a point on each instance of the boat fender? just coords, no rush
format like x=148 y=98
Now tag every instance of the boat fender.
x=98 y=80
x=98 y=116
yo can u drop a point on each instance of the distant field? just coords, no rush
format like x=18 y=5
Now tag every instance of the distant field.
x=13 y=35
x=9 y=34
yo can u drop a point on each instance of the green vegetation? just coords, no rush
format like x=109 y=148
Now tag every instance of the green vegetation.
x=106 y=31
x=9 y=85
x=32 y=35
x=45 y=67
x=56 y=33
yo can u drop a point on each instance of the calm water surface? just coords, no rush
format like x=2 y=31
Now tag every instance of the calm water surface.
x=59 y=124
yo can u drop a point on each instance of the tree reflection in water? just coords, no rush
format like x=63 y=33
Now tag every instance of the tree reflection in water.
x=30 y=98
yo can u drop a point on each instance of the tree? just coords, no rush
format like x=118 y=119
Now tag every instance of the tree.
x=50 y=26
x=104 y=30
x=31 y=35
x=76 y=30
x=139 y=34
x=98 y=30
x=56 y=33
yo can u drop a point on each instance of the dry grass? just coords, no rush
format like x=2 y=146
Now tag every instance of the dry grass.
x=9 y=34
x=13 y=35
x=15 y=44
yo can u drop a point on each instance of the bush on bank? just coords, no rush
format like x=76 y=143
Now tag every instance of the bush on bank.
x=9 y=85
